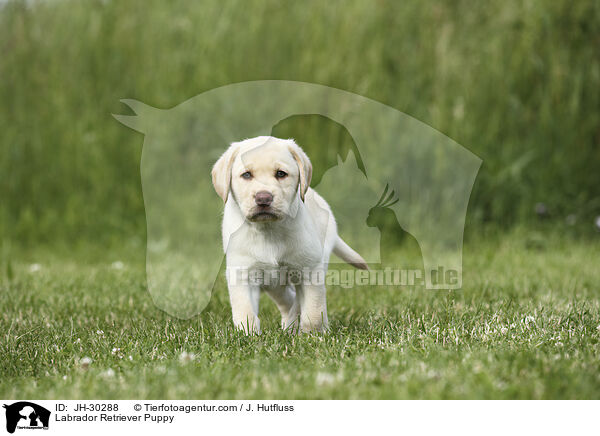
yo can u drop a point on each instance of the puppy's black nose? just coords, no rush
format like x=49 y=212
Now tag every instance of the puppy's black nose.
x=263 y=198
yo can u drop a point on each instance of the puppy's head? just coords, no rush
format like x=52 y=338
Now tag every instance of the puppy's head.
x=267 y=177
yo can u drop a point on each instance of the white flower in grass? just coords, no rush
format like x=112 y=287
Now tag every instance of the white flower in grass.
x=325 y=378
x=503 y=330
x=108 y=373
x=117 y=265
x=100 y=332
x=85 y=362
x=598 y=328
x=35 y=267
x=185 y=357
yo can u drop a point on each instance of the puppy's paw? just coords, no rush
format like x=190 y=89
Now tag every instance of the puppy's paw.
x=249 y=325
x=315 y=325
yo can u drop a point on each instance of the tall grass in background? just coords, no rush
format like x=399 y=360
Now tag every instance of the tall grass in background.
x=517 y=83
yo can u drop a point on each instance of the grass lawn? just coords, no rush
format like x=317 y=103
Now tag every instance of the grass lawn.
x=526 y=325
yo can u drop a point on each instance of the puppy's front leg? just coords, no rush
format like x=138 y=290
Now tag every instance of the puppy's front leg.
x=244 y=298
x=313 y=307
x=285 y=299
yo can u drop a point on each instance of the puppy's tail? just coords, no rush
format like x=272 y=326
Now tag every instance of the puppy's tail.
x=347 y=254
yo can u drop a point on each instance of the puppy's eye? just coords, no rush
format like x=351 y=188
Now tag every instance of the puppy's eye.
x=280 y=174
x=247 y=175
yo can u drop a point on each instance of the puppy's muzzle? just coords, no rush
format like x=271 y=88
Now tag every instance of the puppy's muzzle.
x=263 y=210
x=263 y=199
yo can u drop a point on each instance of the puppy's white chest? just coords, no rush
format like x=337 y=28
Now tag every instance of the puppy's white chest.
x=265 y=248
x=268 y=252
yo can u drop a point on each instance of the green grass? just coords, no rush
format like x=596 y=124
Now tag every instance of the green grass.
x=526 y=325
x=514 y=82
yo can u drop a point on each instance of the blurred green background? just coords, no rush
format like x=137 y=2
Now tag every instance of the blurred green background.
x=515 y=82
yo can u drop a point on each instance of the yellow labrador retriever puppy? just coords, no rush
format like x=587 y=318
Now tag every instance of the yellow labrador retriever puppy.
x=276 y=227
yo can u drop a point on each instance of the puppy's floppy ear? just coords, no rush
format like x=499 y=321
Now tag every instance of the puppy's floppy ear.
x=221 y=172
x=304 y=166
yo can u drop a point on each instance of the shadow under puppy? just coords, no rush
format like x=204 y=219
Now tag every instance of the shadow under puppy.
x=278 y=233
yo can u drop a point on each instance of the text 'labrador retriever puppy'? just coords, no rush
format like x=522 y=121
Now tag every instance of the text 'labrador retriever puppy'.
x=278 y=233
